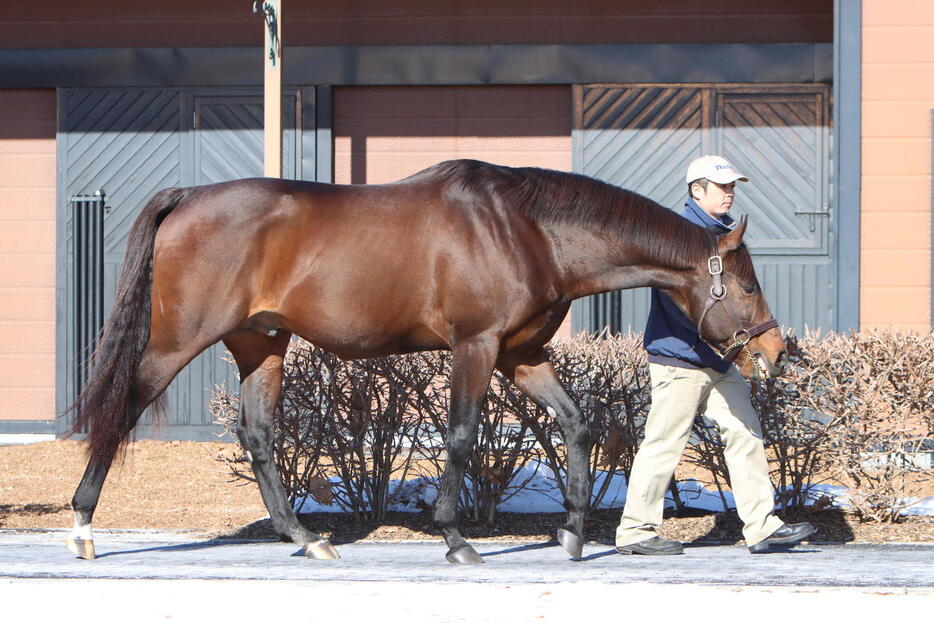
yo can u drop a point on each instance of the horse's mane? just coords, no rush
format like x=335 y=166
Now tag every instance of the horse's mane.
x=547 y=196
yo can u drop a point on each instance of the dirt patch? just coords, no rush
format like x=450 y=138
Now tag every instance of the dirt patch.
x=181 y=486
x=158 y=485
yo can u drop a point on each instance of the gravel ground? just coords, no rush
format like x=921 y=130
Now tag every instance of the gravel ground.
x=181 y=486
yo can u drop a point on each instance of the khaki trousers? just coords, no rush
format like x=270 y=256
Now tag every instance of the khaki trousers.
x=677 y=395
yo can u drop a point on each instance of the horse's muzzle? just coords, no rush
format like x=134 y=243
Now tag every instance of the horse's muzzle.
x=775 y=368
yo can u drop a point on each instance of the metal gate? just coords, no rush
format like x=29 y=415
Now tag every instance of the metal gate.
x=132 y=143
x=642 y=137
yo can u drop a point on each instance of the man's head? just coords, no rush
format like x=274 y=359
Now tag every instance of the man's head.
x=711 y=183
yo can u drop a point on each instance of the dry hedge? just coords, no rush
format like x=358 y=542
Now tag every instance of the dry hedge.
x=857 y=407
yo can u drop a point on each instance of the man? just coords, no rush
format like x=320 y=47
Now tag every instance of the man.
x=687 y=376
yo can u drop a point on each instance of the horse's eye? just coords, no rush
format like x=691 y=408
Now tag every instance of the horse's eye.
x=750 y=289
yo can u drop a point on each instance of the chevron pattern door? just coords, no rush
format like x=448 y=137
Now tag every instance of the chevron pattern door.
x=229 y=137
x=642 y=137
x=132 y=143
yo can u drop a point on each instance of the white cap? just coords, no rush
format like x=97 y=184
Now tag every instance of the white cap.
x=714 y=168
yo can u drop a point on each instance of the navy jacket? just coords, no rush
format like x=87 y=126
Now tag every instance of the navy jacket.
x=670 y=337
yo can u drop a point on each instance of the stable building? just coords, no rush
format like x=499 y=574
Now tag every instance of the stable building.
x=824 y=104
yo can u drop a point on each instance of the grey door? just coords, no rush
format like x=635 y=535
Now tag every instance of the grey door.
x=131 y=143
x=642 y=137
x=229 y=137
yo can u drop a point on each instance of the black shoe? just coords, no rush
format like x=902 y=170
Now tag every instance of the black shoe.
x=656 y=546
x=783 y=538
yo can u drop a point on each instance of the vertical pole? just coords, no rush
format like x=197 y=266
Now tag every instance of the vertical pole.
x=847 y=112
x=272 y=100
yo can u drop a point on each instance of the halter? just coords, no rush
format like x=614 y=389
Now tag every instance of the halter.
x=718 y=293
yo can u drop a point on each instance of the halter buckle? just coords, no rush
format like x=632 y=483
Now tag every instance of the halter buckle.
x=715 y=265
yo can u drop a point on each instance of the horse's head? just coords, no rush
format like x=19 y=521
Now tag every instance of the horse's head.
x=725 y=301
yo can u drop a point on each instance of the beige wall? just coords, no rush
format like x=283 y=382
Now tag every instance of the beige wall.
x=898 y=95
x=27 y=255
x=382 y=134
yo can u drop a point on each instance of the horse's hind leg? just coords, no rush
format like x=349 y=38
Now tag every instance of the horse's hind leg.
x=536 y=376
x=260 y=359
x=155 y=373
x=81 y=540
x=470 y=377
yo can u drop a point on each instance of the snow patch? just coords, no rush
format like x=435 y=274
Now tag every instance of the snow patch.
x=534 y=489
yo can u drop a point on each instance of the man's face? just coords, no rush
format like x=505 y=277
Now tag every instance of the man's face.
x=717 y=199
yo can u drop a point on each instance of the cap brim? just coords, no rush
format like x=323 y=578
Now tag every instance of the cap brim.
x=726 y=178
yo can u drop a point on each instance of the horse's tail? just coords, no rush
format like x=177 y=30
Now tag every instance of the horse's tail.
x=107 y=405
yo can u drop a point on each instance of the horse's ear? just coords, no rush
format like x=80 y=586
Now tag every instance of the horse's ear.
x=731 y=241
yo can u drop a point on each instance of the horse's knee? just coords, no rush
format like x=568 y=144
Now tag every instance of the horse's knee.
x=575 y=429
x=459 y=444
x=258 y=440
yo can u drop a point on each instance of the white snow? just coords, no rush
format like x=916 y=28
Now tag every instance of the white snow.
x=539 y=493
x=921 y=507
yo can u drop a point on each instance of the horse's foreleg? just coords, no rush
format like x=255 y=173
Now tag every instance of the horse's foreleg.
x=260 y=361
x=470 y=378
x=537 y=378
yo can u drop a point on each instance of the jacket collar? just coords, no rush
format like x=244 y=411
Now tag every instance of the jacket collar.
x=696 y=215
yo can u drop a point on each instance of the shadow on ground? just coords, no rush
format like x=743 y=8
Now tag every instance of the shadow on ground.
x=688 y=527
x=832 y=526
x=11 y=510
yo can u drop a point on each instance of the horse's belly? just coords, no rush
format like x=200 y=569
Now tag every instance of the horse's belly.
x=349 y=341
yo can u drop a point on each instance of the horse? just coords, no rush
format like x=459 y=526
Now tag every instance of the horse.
x=480 y=259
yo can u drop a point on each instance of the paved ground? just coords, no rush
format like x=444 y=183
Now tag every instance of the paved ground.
x=150 y=577
x=168 y=556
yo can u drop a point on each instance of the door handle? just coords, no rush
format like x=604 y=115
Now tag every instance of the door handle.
x=813 y=214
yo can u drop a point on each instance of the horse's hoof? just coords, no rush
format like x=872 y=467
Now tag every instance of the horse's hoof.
x=463 y=555
x=82 y=548
x=572 y=542
x=321 y=550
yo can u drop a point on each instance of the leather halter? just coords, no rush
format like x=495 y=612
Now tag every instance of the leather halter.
x=718 y=293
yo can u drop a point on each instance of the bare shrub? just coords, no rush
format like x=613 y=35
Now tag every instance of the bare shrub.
x=301 y=426
x=857 y=407
x=372 y=431
x=874 y=390
x=608 y=379
x=504 y=447
x=345 y=429
x=351 y=420
x=795 y=435
x=850 y=407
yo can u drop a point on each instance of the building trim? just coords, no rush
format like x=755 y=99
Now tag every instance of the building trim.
x=174 y=432
x=27 y=427
x=847 y=178
x=63 y=388
x=420 y=65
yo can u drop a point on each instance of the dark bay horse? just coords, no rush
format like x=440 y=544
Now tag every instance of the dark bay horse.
x=480 y=259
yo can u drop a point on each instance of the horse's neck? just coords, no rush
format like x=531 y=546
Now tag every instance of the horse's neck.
x=590 y=263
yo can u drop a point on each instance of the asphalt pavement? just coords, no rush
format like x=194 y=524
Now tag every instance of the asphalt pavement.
x=150 y=555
